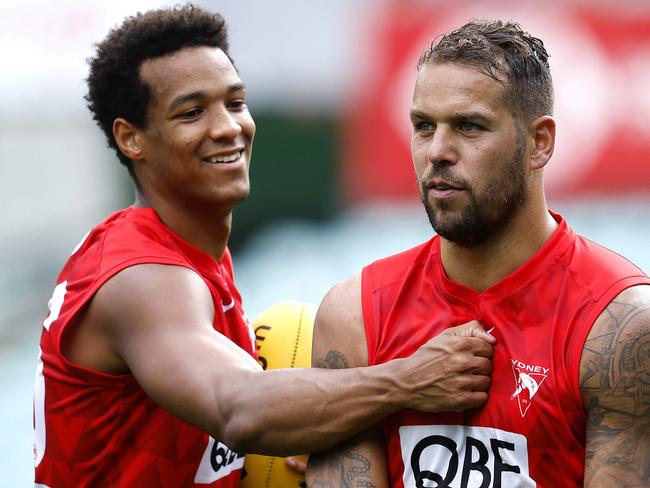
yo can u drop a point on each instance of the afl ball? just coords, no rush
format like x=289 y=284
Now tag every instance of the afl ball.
x=283 y=335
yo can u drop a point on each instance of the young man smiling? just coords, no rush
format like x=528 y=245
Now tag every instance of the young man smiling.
x=146 y=374
x=569 y=401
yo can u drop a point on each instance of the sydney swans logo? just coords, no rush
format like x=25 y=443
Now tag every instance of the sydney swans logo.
x=528 y=379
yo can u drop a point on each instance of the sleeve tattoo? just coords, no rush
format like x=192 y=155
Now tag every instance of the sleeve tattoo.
x=341 y=467
x=615 y=384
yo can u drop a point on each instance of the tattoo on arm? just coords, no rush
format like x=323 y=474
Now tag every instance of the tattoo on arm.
x=332 y=360
x=343 y=468
x=615 y=384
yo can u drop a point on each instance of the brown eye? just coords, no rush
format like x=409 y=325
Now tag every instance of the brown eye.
x=192 y=113
x=238 y=104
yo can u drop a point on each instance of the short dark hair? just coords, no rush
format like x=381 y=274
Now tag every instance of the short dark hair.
x=115 y=88
x=499 y=48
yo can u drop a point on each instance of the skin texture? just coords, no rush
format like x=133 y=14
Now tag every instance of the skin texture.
x=615 y=385
x=340 y=342
x=146 y=318
x=463 y=135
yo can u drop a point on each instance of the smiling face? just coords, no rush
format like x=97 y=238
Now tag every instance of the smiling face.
x=196 y=147
x=468 y=153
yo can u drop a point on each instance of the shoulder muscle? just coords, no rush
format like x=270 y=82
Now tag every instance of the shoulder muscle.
x=615 y=385
x=339 y=334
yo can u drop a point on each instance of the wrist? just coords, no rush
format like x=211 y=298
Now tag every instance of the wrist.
x=389 y=380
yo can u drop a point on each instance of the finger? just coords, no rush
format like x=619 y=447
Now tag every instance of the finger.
x=471 y=399
x=479 y=347
x=482 y=334
x=473 y=328
x=479 y=383
x=482 y=366
x=296 y=465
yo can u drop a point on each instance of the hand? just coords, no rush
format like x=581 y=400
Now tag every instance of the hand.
x=297 y=464
x=451 y=371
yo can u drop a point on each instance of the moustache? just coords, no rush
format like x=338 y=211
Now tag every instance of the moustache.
x=443 y=173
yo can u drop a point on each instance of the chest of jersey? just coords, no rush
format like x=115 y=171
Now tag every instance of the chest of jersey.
x=533 y=421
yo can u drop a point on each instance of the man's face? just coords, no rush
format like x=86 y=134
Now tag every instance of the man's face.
x=197 y=144
x=468 y=154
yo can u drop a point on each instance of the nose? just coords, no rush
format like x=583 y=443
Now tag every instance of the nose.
x=224 y=125
x=442 y=148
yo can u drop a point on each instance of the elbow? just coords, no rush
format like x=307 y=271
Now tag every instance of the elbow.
x=241 y=435
x=238 y=422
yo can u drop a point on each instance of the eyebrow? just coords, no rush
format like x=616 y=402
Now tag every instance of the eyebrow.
x=472 y=116
x=200 y=94
x=416 y=114
x=419 y=115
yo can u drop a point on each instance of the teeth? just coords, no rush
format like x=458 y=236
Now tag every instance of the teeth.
x=226 y=159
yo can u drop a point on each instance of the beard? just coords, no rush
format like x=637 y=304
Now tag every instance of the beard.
x=488 y=212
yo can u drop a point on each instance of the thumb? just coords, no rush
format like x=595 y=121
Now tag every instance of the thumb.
x=473 y=328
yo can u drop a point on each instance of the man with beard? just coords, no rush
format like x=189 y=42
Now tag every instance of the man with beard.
x=146 y=372
x=569 y=401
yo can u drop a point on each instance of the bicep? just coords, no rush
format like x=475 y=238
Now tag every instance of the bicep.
x=339 y=334
x=159 y=320
x=360 y=461
x=615 y=385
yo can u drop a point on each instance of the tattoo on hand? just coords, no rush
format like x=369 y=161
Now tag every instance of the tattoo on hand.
x=333 y=360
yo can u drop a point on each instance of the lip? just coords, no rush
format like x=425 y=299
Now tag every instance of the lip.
x=225 y=155
x=441 y=189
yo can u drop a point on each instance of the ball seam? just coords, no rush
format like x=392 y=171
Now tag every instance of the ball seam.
x=297 y=342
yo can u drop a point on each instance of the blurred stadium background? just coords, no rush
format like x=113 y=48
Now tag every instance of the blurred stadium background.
x=329 y=84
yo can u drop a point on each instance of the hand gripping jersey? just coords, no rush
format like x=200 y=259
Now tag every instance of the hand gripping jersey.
x=531 y=432
x=94 y=429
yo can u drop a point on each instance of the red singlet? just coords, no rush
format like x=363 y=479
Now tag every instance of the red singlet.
x=94 y=429
x=531 y=432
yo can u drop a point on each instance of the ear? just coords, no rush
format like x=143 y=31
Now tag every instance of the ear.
x=127 y=137
x=542 y=132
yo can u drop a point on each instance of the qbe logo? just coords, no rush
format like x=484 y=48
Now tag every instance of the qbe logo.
x=457 y=456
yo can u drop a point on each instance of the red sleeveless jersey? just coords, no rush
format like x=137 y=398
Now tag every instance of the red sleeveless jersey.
x=531 y=432
x=93 y=429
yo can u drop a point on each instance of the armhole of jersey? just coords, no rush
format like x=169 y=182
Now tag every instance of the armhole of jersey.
x=573 y=355
x=73 y=315
x=368 y=312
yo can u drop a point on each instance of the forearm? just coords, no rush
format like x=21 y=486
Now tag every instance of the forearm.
x=284 y=412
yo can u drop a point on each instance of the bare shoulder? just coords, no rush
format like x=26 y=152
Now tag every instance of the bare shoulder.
x=127 y=306
x=615 y=385
x=339 y=334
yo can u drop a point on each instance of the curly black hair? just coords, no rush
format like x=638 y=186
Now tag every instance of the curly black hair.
x=502 y=48
x=114 y=85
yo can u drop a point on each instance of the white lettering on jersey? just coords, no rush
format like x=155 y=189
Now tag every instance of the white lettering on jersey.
x=217 y=462
x=81 y=243
x=446 y=456
x=39 y=411
x=55 y=304
x=228 y=306
x=528 y=379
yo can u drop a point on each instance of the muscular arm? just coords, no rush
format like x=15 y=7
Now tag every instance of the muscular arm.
x=155 y=321
x=340 y=342
x=615 y=385
x=458 y=375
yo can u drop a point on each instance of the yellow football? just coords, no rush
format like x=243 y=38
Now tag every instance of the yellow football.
x=283 y=334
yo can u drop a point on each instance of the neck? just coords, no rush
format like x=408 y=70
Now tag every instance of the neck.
x=482 y=266
x=207 y=230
